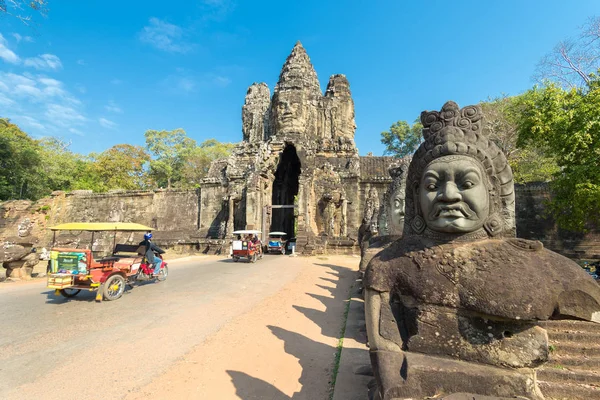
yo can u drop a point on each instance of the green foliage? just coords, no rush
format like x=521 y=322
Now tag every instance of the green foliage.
x=567 y=123
x=169 y=148
x=197 y=161
x=19 y=162
x=529 y=162
x=123 y=166
x=30 y=169
x=402 y=139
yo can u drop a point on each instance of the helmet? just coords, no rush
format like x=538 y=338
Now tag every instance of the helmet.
x=147 y=236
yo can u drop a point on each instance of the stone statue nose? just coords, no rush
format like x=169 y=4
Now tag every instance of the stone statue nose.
x=450 y=193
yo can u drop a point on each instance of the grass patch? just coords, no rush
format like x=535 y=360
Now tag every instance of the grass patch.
x=340 y=346
x=551 y=348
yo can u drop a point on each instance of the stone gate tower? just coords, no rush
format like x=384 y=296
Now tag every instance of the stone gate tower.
x=297 y=150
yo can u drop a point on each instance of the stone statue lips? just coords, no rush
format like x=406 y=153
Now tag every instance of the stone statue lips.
x=458 y=210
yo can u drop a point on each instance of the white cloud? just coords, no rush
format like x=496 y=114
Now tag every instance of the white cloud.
x=44 y=61
x=221 y=81
x=76 y=131
x=35 y=88
x=29 y=121
x=63 y=115
x=18 y=38
x=164 y=36
x=7 y=54
x=113 y=107
x=5 y=101
x=81 y=62
x=107 y=123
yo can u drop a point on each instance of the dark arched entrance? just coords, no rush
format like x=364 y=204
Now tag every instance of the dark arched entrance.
x=285 y=189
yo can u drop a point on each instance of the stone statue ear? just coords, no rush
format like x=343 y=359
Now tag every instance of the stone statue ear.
x=493 y=225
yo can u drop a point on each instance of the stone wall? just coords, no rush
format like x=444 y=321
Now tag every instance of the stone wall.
x=176 y=214
x=533 y=223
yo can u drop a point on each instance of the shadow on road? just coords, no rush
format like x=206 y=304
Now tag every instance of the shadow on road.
x=84 y=296
x=308 y=352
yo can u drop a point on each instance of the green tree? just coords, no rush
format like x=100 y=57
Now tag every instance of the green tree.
x=19 y=162
x=528 y=162
x=567 y=122
x=197 y=161
x=123 y=166
x=60 y=168
x=169 y=148
x=402 y=139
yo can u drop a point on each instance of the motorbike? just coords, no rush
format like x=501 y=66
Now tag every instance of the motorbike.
x=144 y=271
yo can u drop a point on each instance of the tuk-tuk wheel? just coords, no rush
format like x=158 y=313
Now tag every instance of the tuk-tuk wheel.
x=114 y=287
x=236 y=259
x=68 y=293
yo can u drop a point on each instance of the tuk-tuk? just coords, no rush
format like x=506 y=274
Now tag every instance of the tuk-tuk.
x=243 y=247
x=276 y=242
x=71 y=270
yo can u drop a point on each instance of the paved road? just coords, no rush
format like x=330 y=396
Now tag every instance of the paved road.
x=53 y=348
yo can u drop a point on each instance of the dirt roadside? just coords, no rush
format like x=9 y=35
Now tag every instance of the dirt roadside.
x=283 y=348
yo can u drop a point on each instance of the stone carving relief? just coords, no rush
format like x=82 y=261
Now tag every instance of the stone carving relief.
x=331 y=202
x=453 y=306
x=254 y=113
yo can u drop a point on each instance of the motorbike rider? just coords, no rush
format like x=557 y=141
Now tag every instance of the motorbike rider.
x=150 y=248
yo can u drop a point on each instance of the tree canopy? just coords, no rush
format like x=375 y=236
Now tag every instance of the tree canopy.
x=30 y=168
x=402 y=139
x=567 y=122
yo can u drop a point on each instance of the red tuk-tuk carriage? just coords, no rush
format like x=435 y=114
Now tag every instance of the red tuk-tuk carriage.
x=71 y=270
x=243 y=247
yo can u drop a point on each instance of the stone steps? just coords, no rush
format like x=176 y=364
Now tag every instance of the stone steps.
x=576 y=348
x=568 y=391
x=573 y=362
x=573 y=370
x=570 y=326
x=553 y=373
x=574 y=336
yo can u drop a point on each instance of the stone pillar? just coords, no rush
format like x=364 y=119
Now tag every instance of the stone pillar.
x=344 y=231
x=230 y=210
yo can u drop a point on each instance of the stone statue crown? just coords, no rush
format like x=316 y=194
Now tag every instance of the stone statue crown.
x=456 y=131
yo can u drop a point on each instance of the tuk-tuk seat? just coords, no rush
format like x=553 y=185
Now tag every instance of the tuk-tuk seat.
x=129 y=248
x=108 y=259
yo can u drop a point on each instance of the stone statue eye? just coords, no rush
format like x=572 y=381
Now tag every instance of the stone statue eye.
x=431 y=187
x=468 y=184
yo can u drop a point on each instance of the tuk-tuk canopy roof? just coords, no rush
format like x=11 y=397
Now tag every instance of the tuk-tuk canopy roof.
x=101 y=226
x=277 y=234
x=247 y=232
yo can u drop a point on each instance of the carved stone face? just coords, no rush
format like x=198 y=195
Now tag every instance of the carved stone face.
x=290 y=113
x=453 y=195
x=397 y=208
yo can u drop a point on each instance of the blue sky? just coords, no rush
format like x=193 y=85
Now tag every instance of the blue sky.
x=100 y=73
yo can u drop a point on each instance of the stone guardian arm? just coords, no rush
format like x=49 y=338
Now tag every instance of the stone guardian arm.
x=374 y=300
